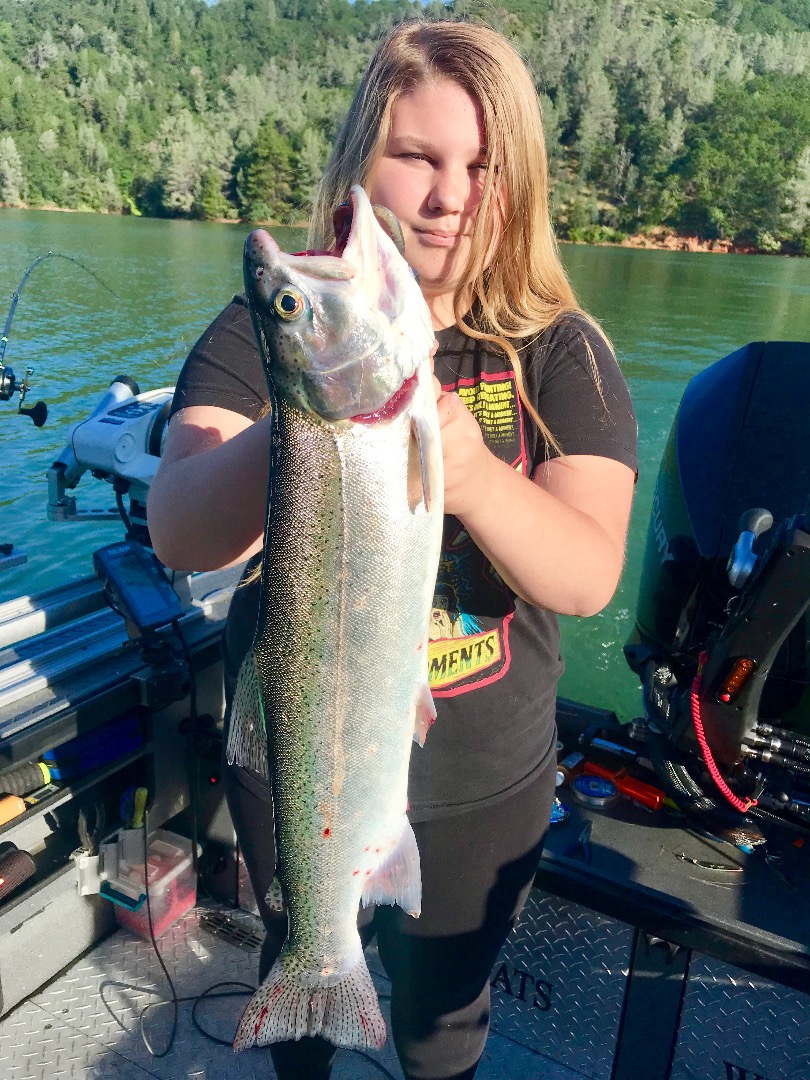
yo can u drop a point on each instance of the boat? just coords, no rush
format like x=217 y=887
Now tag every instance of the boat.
x=668 y=933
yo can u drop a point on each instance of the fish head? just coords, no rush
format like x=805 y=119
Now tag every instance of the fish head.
x=340 y=335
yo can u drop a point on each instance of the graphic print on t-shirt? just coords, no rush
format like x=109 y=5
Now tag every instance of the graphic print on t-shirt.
x=472 y=606
x=494 y=402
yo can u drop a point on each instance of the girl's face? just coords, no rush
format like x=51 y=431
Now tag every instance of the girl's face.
x=431 y=176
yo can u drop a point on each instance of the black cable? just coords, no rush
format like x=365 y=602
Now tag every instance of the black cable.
x=192 y=755
x=206 y=994
x=174 y=999
x=119 y=502
x=778 y=819
x=192 y=693
x=191 y=744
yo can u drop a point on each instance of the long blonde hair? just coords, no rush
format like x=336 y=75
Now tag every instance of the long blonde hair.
x=518 y=290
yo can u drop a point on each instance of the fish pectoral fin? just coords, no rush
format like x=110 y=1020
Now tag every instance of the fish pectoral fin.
x=398 y=879
x=247 y=737
x=424 y=713
x=292 y=1003
x=428 y=448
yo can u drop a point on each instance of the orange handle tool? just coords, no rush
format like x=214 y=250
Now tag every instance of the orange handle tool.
x=633 y=789
x=11 y=806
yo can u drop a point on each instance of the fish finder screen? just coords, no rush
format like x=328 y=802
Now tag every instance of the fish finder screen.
x=137 y=585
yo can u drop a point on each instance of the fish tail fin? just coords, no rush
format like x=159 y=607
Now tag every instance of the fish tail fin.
x=247 y=737
x=398 y=879
x=425 y=713
x=292 y=1003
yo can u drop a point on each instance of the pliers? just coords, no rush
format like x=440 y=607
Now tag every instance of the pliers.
x=581 y=847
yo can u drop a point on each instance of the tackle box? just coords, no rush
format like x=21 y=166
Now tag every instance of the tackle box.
x=171 y=880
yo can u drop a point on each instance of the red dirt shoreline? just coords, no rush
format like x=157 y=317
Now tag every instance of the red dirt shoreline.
x=665 y=240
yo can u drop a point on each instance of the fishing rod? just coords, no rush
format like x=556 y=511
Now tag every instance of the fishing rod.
x=9 y=383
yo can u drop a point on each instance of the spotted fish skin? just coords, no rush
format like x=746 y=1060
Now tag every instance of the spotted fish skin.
x=335 y=687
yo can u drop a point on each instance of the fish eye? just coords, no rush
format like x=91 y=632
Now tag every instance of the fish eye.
x=289 y=303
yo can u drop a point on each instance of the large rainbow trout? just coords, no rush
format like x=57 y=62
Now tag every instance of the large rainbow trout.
x=335 y=686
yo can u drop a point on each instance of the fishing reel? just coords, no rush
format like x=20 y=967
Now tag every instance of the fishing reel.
x=120 y=442
x=10 y=384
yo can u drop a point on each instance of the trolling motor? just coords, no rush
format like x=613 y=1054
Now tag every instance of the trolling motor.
x=722 y=639
x=120 y=442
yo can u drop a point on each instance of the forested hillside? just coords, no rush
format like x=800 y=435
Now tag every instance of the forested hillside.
x=694 y=114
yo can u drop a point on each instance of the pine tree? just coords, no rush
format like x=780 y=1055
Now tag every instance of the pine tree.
x=265 y=176
x=12 y=179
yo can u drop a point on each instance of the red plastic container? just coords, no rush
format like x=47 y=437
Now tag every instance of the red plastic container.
x=172 y=885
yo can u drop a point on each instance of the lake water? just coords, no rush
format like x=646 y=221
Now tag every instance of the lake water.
x=669 y=314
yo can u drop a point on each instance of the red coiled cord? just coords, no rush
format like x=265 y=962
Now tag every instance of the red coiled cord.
x=742 y=805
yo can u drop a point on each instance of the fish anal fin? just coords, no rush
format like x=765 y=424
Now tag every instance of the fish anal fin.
x=398 y=878
x=424 y=713
x=292 y=1003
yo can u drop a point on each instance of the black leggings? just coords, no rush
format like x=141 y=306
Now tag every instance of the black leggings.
x=477 y=870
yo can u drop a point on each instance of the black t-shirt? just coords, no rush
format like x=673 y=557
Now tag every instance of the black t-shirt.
x=494 y=660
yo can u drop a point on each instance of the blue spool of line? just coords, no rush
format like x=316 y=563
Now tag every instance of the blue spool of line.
x=595 y=792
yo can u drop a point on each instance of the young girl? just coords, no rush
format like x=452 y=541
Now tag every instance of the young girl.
x=539 y=447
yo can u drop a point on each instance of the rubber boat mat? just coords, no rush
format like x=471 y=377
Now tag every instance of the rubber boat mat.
x=84 y=1025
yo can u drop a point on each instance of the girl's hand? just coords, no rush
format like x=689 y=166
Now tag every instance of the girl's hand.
x=466 y=457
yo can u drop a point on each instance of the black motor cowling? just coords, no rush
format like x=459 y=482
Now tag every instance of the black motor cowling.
x=725 y=583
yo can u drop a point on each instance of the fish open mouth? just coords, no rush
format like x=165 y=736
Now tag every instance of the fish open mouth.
x=388 y=222
x=393 y=407
x=342 y=221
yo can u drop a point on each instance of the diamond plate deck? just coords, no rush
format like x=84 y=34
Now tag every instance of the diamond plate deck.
x=84 y=1024
x=737 y=1026
x=559 y=984
x=35 y=1044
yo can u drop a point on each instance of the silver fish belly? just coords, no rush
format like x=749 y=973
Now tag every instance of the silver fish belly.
x=336 y=683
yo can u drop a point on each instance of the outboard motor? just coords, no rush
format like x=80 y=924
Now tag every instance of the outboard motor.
x=721 y=641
